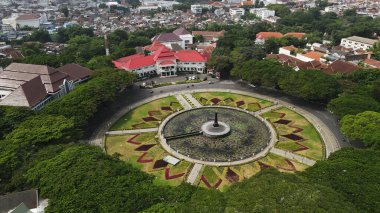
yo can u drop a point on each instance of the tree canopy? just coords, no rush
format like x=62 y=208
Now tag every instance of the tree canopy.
x=364 y=126
x=352 y=104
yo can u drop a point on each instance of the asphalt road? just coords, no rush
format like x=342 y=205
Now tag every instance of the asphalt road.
x=135 y=94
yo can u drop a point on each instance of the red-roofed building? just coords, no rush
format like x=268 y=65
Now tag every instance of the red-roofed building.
x=372 y=63
x=297 y=35
x=164 y=62
x=261 y=37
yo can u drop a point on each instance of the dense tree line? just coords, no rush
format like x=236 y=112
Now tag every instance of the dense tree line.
x=59 y=122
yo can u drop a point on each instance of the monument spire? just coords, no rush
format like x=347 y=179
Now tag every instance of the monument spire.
x=216 y=124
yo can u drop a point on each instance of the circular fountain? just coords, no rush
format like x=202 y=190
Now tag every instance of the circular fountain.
x=215 y=129
x=198 y=134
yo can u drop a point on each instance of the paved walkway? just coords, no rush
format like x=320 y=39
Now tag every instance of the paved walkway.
x=293 y=156
x=192 y=100
x=267 y=109
x=183 y=102
x=194 y=173
x=133 y=131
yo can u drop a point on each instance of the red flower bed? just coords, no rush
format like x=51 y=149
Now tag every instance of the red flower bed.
x=142 y=160
x=159 y=164
x=154 y=112
x=297 y=129
x=302 y=148
x=131 y=140
x=263 y=165
x=240 y=103
x=205 y=181
x=293 y=137
x=147 y=119
x=145 y=147
x=283 y=121
x=169 y=177
x=232 y=176
x=215 y=100
x=166 y=108
x=292 y=167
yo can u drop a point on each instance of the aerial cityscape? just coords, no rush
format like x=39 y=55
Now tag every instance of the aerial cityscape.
x=189 y=106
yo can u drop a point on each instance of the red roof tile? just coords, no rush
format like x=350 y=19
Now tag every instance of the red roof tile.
x=297 y=35
x=372 y=62
x=189 y=56
x=266 y=35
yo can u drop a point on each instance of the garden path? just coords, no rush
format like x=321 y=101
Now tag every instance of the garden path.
x=194 y=173
x=192 y=100
x=293 y=156
x=132 y=131
x=267 y=109
x=183 y=102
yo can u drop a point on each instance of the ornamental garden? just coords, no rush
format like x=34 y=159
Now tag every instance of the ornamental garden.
x=164 y=138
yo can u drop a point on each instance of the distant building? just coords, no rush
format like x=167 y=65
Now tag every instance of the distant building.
x=163 y=62
x=196 y=9
x=5 y=3
x=180 y=37
x=24 y=201
x=185 y=36
x=356 y=42
x=33 y=86
x=263 y=36
x=22 y=20
x=262 y=13
x=372 y=63
x=237 y=12
x=209 y=36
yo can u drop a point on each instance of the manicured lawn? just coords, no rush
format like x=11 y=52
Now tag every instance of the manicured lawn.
x=310 y=144
x=148 y=115
x=231 y=99
x=143 y=152
x=282 y=164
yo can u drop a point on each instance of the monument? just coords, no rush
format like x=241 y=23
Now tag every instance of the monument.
x=215 y=129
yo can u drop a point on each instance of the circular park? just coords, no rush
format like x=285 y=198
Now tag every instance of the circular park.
x=213 y=139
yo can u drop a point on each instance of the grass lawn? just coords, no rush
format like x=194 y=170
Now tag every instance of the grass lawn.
x=312 y=139
x=128 y=153
x=134 y=118
x=283 y=164
x=231 y=99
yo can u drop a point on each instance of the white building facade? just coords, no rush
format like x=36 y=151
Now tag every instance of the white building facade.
x=356 y=42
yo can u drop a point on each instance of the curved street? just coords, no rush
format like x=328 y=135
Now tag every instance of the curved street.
x=326 y=122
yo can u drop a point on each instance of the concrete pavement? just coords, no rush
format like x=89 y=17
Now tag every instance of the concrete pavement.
x=192 y=100
x=194 y=173
x=293 y=156
x=133 y=131
x=183 y=102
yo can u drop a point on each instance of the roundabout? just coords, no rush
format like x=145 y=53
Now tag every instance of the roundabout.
x=213 y=139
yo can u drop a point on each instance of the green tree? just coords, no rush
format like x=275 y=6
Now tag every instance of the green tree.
x=98 y=62
x=354 y=173
x=43 y=129
x=312 y=85
x=39 y=36
x=352 y=105
x=10 y=117
x=86 y=176
x=364 y=126
x=281 y=192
